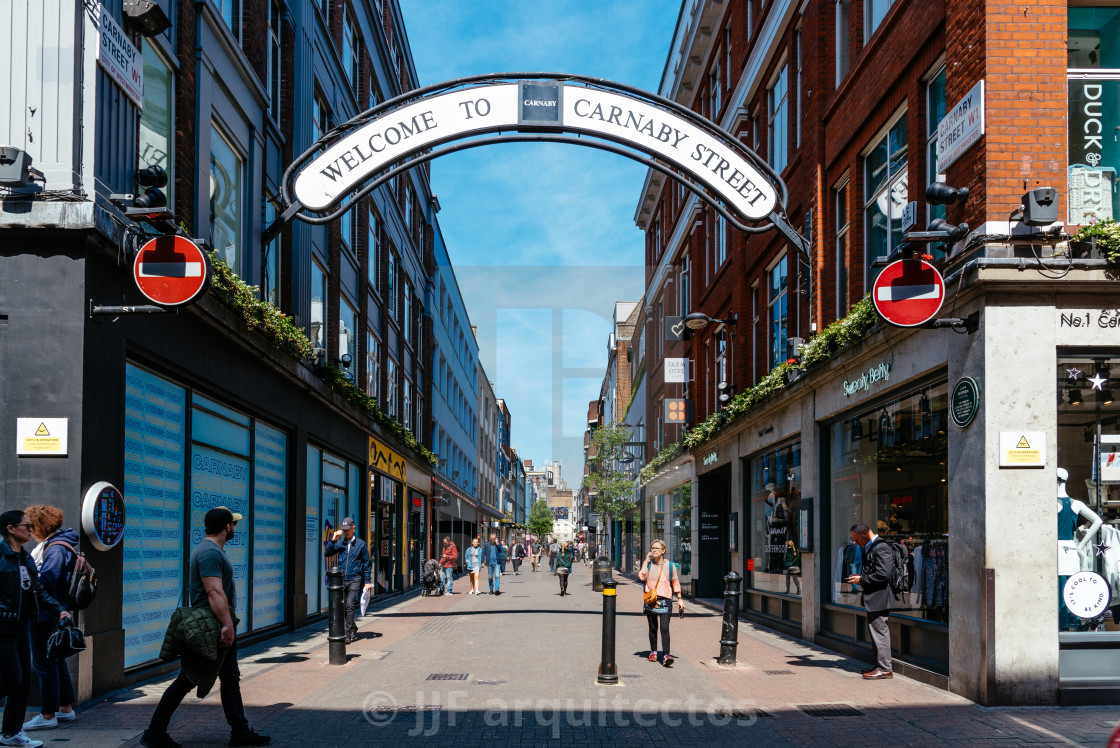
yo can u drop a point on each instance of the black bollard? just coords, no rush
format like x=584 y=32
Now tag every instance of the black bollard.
x=336 y=634
x=730 y=640
x=608 y=672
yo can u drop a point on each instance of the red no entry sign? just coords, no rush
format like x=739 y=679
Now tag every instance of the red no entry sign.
x=908 y=292
x=171 y=270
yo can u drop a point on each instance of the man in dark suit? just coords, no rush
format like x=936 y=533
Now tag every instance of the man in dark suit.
x=878 y=597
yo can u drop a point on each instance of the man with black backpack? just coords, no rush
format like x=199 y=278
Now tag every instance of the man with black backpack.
x=878 y=579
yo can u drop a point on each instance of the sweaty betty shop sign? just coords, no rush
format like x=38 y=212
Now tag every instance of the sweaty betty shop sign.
x=880 y=372
x=437 y=119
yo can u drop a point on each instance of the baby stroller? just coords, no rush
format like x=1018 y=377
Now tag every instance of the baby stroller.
x=433 y=585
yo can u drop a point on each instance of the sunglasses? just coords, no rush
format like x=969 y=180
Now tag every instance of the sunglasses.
x=22 y=524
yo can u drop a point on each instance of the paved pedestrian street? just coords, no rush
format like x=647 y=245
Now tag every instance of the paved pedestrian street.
x=520 y=669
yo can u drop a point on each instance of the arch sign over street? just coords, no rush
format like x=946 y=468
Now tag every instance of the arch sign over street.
x=356 y=157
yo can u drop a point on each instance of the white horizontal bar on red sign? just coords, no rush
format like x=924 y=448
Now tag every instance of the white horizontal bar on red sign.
x=907 y=293
x=170 y=270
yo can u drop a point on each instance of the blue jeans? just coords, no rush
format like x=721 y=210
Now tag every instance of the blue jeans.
x=447 y=574
x=495 y=577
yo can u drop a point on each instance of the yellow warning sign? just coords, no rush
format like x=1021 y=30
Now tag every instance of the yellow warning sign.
x=42 y=430
x=1023 y=443
x=1022 y=449
x=41 y=437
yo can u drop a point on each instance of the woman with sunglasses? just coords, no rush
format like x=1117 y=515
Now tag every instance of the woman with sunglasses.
x=662 y=579
x=22 y=599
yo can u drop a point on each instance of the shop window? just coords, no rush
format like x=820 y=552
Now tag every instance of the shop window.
x=156 y=118
x=155 y=438
x=373 y=367
x=225 y=200
x=779 y=312
x=273 y=62
x=874 y=11
x=1088 y=458
x=680 y=545
x=886 y=195
x=348 y=333
x=777 y=134
x=317 y=332
x=270 y=259
x=935 y=112
x=1094 y=113
x=843 y=29
x=775 y=491
x=888 y=471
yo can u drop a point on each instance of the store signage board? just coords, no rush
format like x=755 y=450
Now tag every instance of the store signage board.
x=103 y=515
x=41 y=437
x=1110 y=458
x=674 y=328
x=120 y=57
x=908 y=293
x=1022 y=449
x=964 y=402
x=910 y=216
x=1087 y=594
x=171 y=270
x=961 y=127
x=881 y=372
x=676 y=371
x=498 y=107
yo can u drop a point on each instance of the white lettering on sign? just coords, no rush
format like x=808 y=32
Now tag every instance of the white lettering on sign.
x=909 y=215
x=494 y=108
x=676 y=370
x=960 y=127
x=882 y=372
x=120 y=58
x=711 y=458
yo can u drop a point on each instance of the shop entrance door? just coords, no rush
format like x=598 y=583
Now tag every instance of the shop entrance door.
x=714 y=559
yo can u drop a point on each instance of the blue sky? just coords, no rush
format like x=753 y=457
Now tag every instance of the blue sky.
x=542 y=236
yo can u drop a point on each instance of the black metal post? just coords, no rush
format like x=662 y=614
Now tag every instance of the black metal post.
x=730 y=640
x=336 y=635
x=608 y=672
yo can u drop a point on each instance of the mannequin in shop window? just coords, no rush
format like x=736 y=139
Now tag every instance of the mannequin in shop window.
x=1069 y=548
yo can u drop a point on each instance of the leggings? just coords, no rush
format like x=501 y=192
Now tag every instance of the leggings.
x=564 y=582
x=652 y=618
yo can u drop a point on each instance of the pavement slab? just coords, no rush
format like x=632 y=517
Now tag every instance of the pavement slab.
x=520 y=669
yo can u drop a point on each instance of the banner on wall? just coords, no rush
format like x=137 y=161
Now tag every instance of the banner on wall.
x=269 y=492
x=1094 y=152
x=155 y=433
x=219 y=479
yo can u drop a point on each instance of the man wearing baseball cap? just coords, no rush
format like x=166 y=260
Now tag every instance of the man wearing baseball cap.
x=210 y=583
x=353 y=559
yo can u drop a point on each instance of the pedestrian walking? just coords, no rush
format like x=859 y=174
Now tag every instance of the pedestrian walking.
x=210 y=584
x=505 y=554
x=492 y=560
x=661 y=580
x=564 y=560
x=353 y=559
x=516 y=554
x=553 y=553
x=535 y=551
x=472 y=559
x=877 y=594
x=447 y=559
x=22 y=600
x=55 y=558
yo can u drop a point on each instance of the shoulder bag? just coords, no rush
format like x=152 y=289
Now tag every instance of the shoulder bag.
x=650 y=596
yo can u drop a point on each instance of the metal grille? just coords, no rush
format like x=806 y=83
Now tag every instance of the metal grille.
x=448 y=676
x=830 y=710
x=778 y=672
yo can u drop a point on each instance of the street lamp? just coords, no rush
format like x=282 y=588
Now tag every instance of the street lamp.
x=699 y=320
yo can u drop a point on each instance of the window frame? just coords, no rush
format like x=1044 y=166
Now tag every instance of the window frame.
x=777 y=349
x=776 y=107
x=889 y=183
x=843 y=43
x=274 y=60
x=842 y=210
x=373 y=366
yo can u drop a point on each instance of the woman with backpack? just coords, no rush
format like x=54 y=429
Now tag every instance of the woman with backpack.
x=662 y=581
x=564 y=561
x=22 y=599
x=54 y=558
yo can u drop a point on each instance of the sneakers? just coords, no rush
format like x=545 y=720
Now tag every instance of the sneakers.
x=653 y=656
x=157 y=740
x=39 y=722
x=248 y=737
x=66 y=716
x=668 y=661
x=20 y=739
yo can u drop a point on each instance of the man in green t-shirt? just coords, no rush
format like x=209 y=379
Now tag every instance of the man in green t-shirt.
x=210 y=583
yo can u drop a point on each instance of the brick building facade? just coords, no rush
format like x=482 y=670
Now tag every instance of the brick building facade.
x=844 y=100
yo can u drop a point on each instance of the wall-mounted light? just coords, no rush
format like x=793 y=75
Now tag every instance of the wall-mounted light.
x=1105 y=397
x=699 y=320
x=1075 y=397
x=145 y=17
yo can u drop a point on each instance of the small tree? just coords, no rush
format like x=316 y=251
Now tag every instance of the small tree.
x=540 y=519
x=606 y=476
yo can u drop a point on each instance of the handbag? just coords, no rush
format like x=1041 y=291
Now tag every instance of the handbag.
x=66 y=640
x=650 y=596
